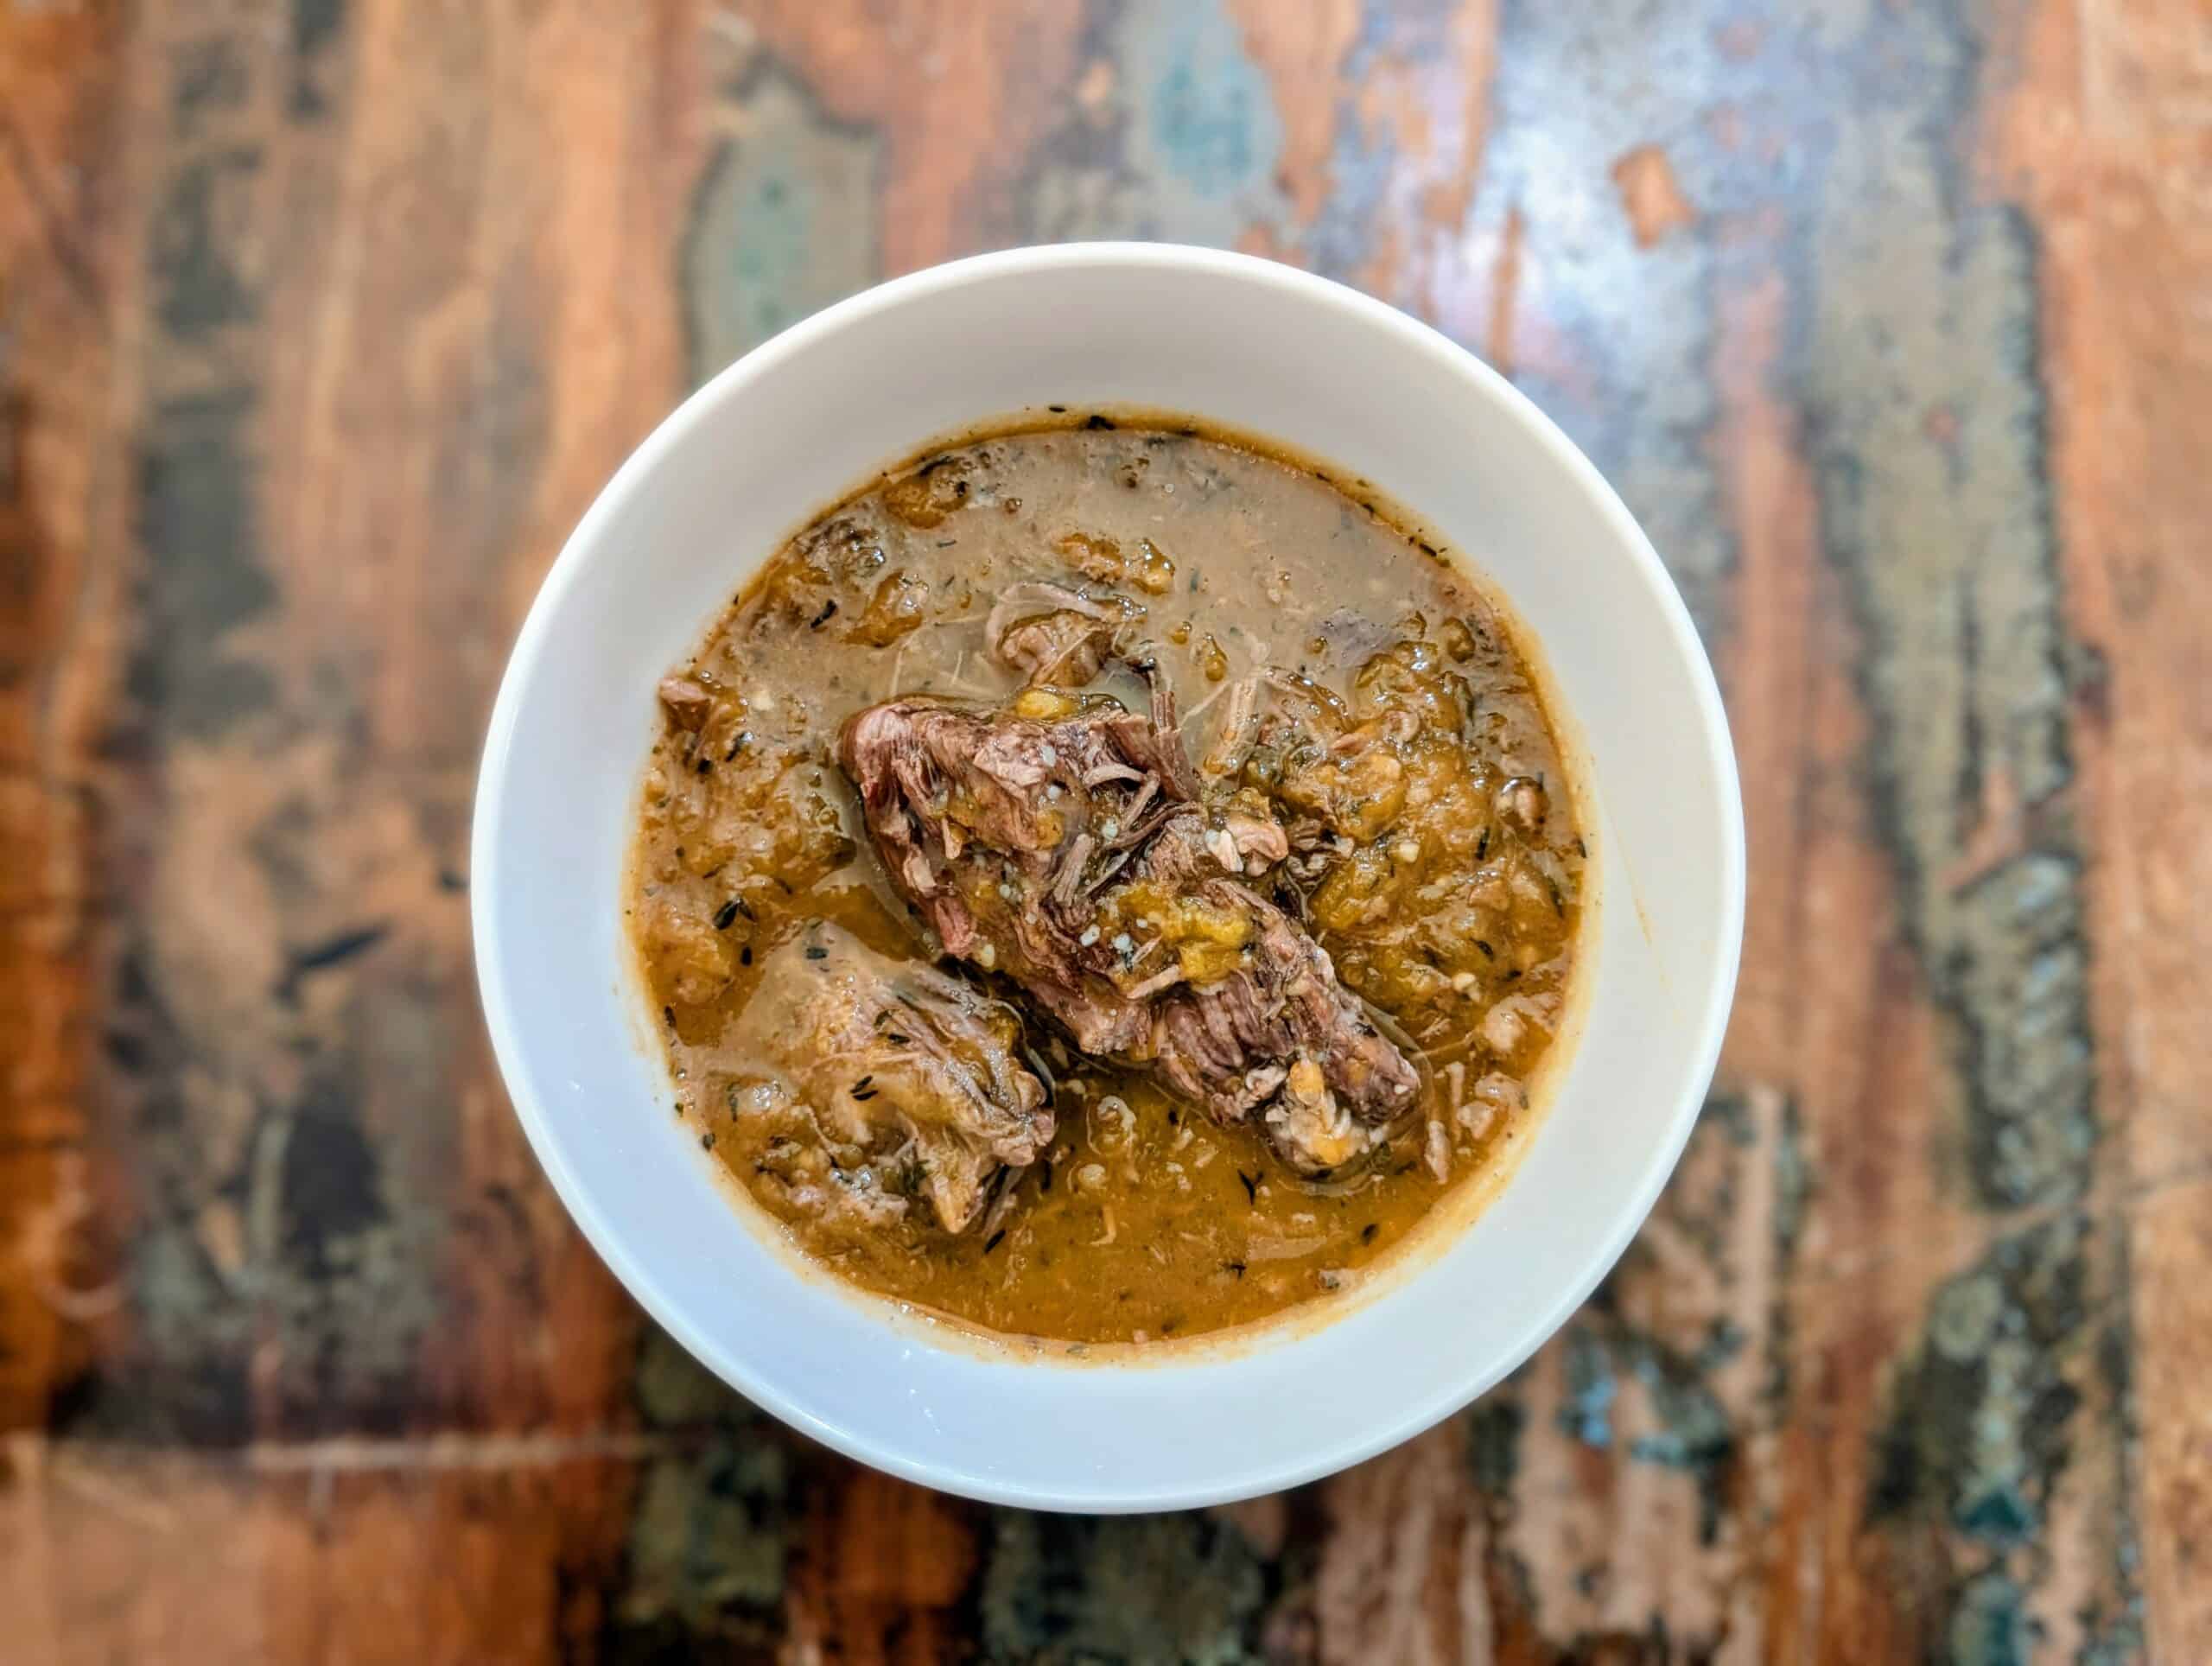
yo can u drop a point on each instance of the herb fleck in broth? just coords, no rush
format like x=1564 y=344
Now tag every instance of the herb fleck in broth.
x=1397 y=733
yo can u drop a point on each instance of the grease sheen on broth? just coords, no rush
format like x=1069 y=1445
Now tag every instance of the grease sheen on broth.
x=1446 y=888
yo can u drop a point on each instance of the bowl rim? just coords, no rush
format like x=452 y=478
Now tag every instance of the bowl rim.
x=584 y=544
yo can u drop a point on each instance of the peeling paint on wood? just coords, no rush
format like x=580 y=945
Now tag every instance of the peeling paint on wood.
x=1928 y=416
x=784 y=219
x=708 y=1541
x=205 y=571
x=332 y=430
x=1163 y=1587
x=1581 y=289
x=1619 y=1473
x=1982 y=1417
x=279 y=1270
x=1935 y=508
x=1172 y=134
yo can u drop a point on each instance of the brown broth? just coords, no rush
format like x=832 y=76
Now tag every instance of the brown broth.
x=1456 y=910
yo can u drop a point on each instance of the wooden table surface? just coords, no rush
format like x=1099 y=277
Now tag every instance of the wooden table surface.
x=321 y=322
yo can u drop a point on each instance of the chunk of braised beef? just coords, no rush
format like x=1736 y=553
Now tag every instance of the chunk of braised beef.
x=910 y=1073
x=1067 y=649
x=1071 y=853
x=1055 y=635
x=687 y=701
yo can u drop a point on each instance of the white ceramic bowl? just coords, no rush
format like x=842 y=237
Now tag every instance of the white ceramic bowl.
x=788 y=429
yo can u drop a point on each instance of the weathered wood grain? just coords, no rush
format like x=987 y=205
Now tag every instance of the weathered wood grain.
x=2104 y=132
x=386 y=343
x=319 y=324
x=341 y=1552
x=58 y=611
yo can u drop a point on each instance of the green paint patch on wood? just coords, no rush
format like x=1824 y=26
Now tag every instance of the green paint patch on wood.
x=1982 y=1425
x=1069 y=1588
x=783 y=221
x=205 y=570
x=1917 y=360
x=204 y=205
x=1183 y=147
x=206 y=77
x=1990 y=1627
x=2018 y=976
x=1978 y=1430
x=280 y=1284
x=1927 y=420
x=318 y=29
x=708 y=1543
x=1494 y=1427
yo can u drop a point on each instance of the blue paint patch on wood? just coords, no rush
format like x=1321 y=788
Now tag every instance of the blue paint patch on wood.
x=1982 y=1423
x=1586 y=1411
x=1632 y=380
x=1210 y=120
x=783 y=221
x=1184 y=146
x=1692 y=1433
x=1363 y=154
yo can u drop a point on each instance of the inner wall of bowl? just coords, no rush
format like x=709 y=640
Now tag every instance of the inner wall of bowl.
x=676 y=537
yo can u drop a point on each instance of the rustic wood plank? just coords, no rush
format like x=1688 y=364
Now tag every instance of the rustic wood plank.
x=338 y=390
x=398 y=324
x=57 y=611
x=319 y=325
x=1783 y=1350
x=338 y=1552
x=2105 y=134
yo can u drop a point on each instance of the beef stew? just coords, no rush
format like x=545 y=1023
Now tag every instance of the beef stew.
x=1107 y=882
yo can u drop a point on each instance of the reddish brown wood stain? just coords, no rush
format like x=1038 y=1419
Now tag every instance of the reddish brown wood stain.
x=321 y=324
